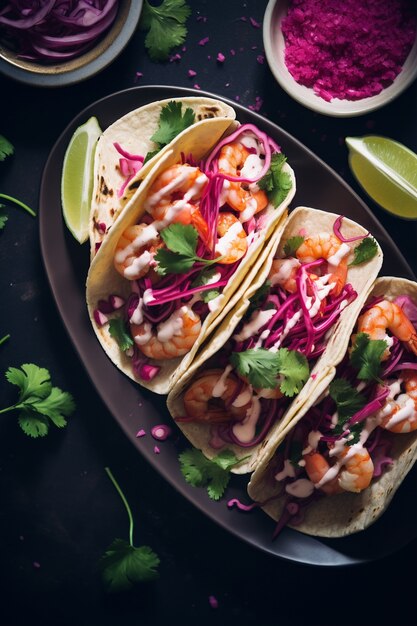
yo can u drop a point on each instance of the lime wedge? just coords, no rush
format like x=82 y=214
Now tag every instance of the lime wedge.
x=387 y=171
x=77 y=178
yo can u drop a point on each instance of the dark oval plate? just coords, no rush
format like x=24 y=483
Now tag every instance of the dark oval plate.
x=66 y=265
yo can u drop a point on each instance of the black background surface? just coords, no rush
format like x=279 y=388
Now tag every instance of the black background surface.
x=59 y=511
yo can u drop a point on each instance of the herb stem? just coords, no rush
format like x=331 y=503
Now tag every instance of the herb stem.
x=21 y=204
x=121 y=494
x=5 y=338
x=9 y=408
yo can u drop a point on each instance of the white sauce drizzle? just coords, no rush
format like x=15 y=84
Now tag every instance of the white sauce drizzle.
x=245 y=430
x=257 y=320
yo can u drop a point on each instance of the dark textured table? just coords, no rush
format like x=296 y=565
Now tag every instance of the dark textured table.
x=59 y=510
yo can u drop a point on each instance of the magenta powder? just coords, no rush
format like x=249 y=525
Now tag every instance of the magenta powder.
x=348 y=49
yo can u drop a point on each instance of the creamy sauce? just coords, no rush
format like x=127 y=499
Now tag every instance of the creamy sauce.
x=257 y=320
x=138 y=264
x=245 y=430
x=336 y=258
x=243 y=398
x=284 y=271
x=287 y=472
x=220 y=387
x=144 y=338
x=137 y=315
x=172 y=326
x=301 y=488
x=225 y=243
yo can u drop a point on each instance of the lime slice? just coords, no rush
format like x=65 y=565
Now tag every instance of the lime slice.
x=387 y=171
x=77 y=178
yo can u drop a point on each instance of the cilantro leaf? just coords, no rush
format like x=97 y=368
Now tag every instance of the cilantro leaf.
x=32 y=381
x=348 y=402
x=210 y=294
x=124 y=565
x=172 y=122
x=276 y=183
x=199 y=471
x=32 y=424
x=165 y=25
x=6 y=148
x=292 y=244
x=38 y=402
x=263 y=367
x=117 y=330
x=3 y=216
x=294 y=367
x=348 y=399
x=258 y=297
x=180 y=238
x=181 y=241
x=365 y=251
x=366 y=356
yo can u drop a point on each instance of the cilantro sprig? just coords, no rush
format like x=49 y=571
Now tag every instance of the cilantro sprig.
x=165 y=25
x=39 y=403
x=366 y=356
x=6 y=148
x=276 y=183
x=118 y=331
x=180 y=254
x=292 y=244
x=199 y=471
x=266 y=370
x=348 y=402
x=364 y=252
x=172 y=121
x=124 y=564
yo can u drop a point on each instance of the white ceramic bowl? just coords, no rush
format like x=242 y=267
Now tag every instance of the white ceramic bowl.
x=274 y=50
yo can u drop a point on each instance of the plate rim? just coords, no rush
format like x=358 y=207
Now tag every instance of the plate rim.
x=328 y=549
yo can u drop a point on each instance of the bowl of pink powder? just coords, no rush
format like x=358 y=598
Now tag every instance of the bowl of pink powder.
x=342 y=57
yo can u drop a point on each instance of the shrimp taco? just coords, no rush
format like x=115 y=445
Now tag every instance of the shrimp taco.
x=337 y=469
x=173 y=262
x=127 y=150
x=272 y=352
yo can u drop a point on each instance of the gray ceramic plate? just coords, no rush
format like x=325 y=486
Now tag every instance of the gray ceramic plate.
x=66 y=264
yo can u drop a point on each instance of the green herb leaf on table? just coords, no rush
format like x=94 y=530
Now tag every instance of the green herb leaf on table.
x=117 y=330
x=276 y=183
x=365 y=251
x=3 y=216
x=166 y=28
x=124 y=564
x=366 y=356
x=199 y=471
x=172 y=122
x=6 y=148
x=39 y=403
x=264 y=369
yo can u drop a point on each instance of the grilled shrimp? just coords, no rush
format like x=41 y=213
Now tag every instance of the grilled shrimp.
x=400 y=415
x=173 y=338
x=387 y=315
x=210 y=398
x=327 y=246
x=239 y=196
x=354 y=470
x=175 y=196
x=135 y=251
x=232 y=243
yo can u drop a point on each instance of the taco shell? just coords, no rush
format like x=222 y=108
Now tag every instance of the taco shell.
x=133 y=132
x=301 y=219
x=346 y=513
